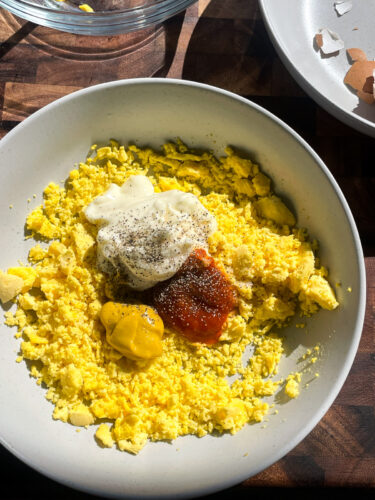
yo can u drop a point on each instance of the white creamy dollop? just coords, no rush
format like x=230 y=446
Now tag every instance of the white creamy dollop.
x=144 y=236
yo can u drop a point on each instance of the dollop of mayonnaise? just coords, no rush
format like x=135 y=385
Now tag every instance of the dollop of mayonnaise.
x=144 y=237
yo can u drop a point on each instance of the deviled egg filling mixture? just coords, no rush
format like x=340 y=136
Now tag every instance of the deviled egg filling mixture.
x=159 y=269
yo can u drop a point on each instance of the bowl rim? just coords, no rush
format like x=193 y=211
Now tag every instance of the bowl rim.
x=141 y=7
x=357 y=331
x=100 y=22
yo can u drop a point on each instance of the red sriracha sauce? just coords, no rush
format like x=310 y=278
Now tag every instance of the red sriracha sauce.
x=196 y=301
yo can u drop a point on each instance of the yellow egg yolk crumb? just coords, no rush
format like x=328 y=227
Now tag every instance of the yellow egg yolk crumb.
x=104 y=436
x=10 y=286
x=185 y=390
x=86 y=8
x=292 y=388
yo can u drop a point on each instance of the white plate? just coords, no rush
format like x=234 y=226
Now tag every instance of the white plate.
x=44 y=148
x=292 y=25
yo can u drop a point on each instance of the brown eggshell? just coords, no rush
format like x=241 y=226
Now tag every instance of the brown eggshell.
x=356 y=54
x=369 y=85
x=357 y=75
x=319 y=40
x=365 y=96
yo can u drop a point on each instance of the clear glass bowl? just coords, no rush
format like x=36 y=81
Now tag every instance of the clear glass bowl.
x=110 y=17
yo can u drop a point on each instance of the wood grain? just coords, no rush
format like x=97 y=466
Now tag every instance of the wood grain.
x=223 y=43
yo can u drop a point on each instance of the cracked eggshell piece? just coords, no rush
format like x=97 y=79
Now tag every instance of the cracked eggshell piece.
x=361 y=75
x=368 y=92
x=343 y=6
x=356 y=54
x=365 y=96
x=368 y=86
x=328 y=41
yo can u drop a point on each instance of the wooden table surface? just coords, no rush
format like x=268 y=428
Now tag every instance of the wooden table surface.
x=223 y=43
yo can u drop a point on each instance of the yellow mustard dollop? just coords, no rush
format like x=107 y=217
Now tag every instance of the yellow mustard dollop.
x=133 y=330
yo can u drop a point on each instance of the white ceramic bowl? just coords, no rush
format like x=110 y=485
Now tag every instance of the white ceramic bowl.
x=292 y=32
x=43 y=149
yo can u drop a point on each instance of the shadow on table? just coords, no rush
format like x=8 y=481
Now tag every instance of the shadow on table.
x=309 y=487
x=289 y=493
x=16 y=38
x=87 y=60
x=230 y=48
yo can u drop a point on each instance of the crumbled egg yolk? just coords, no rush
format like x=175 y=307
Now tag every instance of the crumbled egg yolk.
x=86 y=8
x=133 y=330
x=10 y=286
x=104 y=436
x=185 y=390
x=292 y=388
x=27 y=274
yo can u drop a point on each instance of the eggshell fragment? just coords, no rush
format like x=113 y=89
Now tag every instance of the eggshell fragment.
x=361 y=75
x=365 y=96
x=358 y=73
x=356 y=54
x=368 y=86
x=328 y=41
x=319 y=40
x=343 y=6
